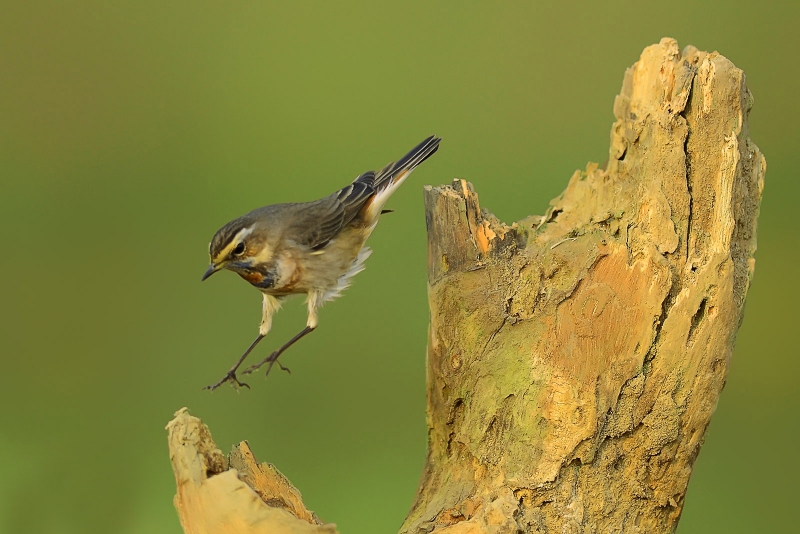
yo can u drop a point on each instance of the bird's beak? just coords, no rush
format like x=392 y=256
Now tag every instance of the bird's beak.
x=211 y=270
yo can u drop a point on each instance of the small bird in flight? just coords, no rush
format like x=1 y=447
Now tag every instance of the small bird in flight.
x=311 y=248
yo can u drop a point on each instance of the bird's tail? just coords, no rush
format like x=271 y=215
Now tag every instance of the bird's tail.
x=386 y=181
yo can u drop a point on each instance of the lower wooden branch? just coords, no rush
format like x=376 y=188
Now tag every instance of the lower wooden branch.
x=236 y=495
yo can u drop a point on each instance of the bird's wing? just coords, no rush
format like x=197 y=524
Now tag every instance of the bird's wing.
x=318 y=222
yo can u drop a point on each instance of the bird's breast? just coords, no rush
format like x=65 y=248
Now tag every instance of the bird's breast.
x=262 y=278
x=254 y=277
x=287 y=276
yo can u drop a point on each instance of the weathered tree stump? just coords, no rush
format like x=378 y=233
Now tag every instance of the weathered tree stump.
x=574 y=359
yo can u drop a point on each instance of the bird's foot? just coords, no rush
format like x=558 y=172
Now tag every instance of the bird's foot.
x=272 y=359
x=231 y=377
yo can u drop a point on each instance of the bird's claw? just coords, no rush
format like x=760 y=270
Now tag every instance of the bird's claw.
x=231 y=377
x=272 y=359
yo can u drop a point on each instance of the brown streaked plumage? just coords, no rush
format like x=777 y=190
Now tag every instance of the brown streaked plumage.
x=312 y=248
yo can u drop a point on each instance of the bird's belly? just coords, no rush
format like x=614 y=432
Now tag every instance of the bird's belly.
x=308 y=270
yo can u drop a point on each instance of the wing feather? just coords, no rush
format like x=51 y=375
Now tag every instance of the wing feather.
x=321 y=221
x=316 y=223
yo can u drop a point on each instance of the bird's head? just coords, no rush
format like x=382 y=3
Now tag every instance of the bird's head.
x=239 y=246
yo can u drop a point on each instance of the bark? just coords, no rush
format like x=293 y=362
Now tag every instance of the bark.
x=575 y=359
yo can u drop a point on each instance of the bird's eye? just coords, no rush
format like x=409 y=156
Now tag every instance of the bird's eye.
x=239 y=250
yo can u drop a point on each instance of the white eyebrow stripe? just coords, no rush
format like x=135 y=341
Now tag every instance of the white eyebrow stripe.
x=238 y=238
x=242 y=234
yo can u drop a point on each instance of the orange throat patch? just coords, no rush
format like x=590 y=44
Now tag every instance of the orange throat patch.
x=254 y=277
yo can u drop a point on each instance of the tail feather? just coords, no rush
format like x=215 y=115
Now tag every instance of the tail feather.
x=386 y=181
x=409 y=162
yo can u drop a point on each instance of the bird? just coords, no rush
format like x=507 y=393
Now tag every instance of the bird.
x=313 y=248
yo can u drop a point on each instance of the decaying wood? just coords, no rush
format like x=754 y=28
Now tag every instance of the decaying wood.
x=575 y=359
x=234 y=495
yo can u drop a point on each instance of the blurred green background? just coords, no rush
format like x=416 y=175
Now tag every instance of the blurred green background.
x=130 y=131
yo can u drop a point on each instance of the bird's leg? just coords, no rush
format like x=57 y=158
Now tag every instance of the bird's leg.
x=272 y=359
x=231 y=374
x=269 y=306
x=314 y=301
